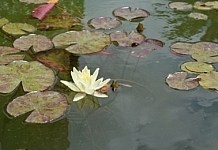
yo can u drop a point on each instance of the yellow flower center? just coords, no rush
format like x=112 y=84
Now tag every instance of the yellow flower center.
x=86 y=77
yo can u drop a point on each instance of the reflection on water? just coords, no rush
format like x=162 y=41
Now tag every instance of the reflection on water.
x=147 y=116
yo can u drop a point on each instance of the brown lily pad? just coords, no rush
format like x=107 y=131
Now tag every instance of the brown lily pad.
x=45 y=106
x=182 y=48
x=104 y=23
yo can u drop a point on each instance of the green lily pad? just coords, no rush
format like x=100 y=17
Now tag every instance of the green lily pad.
x=3 y=21
x=206 y=5
x=178 y=81
x=125 y=39
x=181 y=48
x=33 y=75
x=59 y=22
x=209 y=80
x=45 y=106
x=9 y=54
x=183 y=6
x=126 y=13
x=104 y=23
x=213 y=4
x=196 y=67
x=198 y=16
x=34 y=1
x=82 y=42
x=38 y=42
x=18 y=28
x=205 y=52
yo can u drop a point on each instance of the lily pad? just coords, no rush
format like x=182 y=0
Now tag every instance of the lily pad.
x=182 y=48
x=9 y=54
x=34 y=1
x=82 y=42
x=206 y=5
x=213 y=4
x=198 y=16
x=33 y=75
x=125 y=39
x=179 y=81
x=205 y=52
x=3 y=21
x=146 y=48
x=104 y=23
x=209 y=80
x=126 y=13
x=45 y=106
x=38 y=42
x=18 y=28
x=196 y=67
x=59 y=22
x=183 y=6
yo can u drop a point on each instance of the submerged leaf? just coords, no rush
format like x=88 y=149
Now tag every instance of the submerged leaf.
x=82 y=42
x=126 y=13
x=104 y=23
x=178 y=81
x=45 y=106
x=125 y=39
x=209 y=80
x=196 y=67
x=183 y=6
x=3 y=21
x=9 y=54
x=38 y=42
x=33 y=75
x=18 y=28
x=42 y=10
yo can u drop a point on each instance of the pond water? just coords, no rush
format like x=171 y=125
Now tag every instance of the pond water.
x=147 y=116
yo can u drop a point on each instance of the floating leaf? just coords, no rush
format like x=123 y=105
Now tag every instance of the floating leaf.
x=3 y=21
x=182 y=48
x=198 y=16
x=38 y=42
x=34 y=1
x=9 y=54
x=213 y=4
x=45 y=106
x=183 y=6
x=104 y=23
x=42 y=10
x=196 y=67
x=205 y=52
x=125 y=39
x=82 y=42
x=126 y=13
x=33 y=75
x=58 y=22
x=178 y=81
x=18 y=28
x=202 y=6
x=209 y=80
x=146 y=48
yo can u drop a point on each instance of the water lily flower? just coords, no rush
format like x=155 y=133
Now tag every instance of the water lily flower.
x=84 y=83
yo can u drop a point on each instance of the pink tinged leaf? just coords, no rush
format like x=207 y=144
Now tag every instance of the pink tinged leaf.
x=42 y=10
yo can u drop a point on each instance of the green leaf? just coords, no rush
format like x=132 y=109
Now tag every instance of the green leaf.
x=209 y=80
x=38 y=42
x=182 y=48
x=9 y=54
x=206 y=5
x=82 y=42
x=182 y=6
x=196 y=67
x=3 y=21
x=18 y=28
x=178 y=81
x=45 y=106
x=33 y=75
x=198 y=16
x=104 y=23
x=34 y=1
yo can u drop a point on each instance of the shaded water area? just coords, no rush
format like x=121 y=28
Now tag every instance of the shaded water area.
x=147 y=116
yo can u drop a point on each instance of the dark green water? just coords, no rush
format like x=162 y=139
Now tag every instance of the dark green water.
x=148 y=116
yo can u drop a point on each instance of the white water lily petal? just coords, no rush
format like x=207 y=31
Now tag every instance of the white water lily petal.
x=71 y=85
x=95 y=75
x=79 y=96
x=98 y=94
x=86 y=71
x=102 y=84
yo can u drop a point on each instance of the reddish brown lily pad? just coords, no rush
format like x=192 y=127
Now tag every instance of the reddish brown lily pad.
x=125 y=39
x=9 y=54
x=126 y=13
x=104 y=23
x=45 y=106
x=82 y=42
x=38 y=42
x=179 y=81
